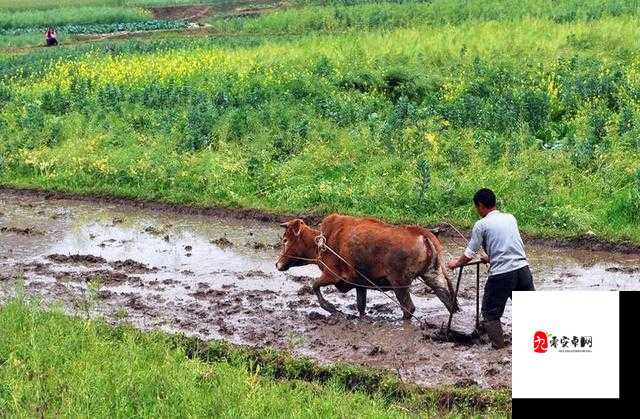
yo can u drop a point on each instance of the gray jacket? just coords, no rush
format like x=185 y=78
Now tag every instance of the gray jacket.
x=497 y=233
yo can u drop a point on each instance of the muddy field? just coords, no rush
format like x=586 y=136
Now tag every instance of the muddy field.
x=215 y=277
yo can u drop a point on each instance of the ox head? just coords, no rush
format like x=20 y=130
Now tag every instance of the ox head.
x=438 y=278
x=298 y=246
x=441 y=286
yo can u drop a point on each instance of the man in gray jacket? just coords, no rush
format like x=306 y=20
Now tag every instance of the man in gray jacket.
x=497 y=233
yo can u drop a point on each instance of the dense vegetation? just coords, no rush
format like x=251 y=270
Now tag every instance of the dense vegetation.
x=62 y=16
x=367 y=110
x=55 y=365
x=146 y=25
x=355 y=14
x=14 y=5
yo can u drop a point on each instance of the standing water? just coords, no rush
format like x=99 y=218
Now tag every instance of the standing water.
x=215 y=278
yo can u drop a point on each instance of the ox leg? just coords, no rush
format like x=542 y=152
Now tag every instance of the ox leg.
x=361 y=294
x=322 y=282
x=404 y=298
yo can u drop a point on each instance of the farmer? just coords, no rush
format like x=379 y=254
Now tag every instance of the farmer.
x=51 y=37
x=497 y=233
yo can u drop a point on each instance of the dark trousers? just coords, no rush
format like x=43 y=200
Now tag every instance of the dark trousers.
x=498 y=290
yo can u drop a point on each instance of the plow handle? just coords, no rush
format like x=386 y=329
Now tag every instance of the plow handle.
x=477 y=264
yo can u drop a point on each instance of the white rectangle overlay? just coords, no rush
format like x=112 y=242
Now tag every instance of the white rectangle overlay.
x=581 y=355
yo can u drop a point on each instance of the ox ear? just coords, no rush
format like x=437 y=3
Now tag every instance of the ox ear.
x=295 y=225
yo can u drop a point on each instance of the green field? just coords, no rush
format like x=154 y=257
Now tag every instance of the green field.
x=355 y=14
x=19 y=22
x=52 y=365
x=50 y=4
x=398 y=109
x=395 y=110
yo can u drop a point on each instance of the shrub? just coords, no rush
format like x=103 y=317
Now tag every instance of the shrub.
x=199 y=125
x=55 y=102
x=399 y=82
x=359 y=80
x=424 y=176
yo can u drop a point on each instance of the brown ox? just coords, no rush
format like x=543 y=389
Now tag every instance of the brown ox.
x=387 y=255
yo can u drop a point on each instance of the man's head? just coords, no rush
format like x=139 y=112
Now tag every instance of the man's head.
x=485 y=201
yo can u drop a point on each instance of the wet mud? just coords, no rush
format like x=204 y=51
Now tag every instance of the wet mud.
x=214 y=276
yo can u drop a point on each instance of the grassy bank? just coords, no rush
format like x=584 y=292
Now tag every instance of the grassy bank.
x=55 y=365
x=12 y=5
x=403 y=123
x=365 y=15
x=66 y=16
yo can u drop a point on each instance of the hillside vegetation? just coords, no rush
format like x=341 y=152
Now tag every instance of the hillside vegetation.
x=397 y=110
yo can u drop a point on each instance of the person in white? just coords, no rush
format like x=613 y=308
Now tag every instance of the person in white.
x=498 y=235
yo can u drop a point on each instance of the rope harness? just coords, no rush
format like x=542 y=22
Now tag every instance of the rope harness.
x=321 y=242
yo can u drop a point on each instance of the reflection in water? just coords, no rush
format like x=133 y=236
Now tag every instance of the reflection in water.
x=195 y=282
x=183 y=248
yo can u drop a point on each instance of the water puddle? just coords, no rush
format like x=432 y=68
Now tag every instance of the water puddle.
x=216 y=278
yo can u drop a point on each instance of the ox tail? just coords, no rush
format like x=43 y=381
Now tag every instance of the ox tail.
x=437 y=264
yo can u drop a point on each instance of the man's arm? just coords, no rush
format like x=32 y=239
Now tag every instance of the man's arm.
x=459 y=261
x=472 y=249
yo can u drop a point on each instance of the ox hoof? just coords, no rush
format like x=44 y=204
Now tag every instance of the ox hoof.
x=338 y=314
x=330 y=308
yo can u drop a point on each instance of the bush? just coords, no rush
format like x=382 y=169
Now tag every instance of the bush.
x=399 y=82
x=201 y=117
x=55 y=102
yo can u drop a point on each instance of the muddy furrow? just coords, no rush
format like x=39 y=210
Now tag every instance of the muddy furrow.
x=214 y=277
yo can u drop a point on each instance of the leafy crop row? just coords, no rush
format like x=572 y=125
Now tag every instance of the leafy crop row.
x=148 y=25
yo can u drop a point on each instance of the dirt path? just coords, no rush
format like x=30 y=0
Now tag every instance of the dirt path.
x=215 y=277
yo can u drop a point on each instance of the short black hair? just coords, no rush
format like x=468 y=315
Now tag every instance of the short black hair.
x=485 y=197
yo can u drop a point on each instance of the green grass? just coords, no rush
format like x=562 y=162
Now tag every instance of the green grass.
x=26 y=40
x=404 y=123
x=14 y=5
x=55 y=365
x=70 y=15
x=347 y=15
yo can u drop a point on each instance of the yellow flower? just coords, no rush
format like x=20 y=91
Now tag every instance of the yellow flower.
x=432 y=139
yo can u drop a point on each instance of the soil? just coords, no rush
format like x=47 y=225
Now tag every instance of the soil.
x=211 y=273
x=182 y=12
x=583 y=242
x=197 y=13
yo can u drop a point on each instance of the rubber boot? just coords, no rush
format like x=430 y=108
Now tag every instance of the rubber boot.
x=494 y=331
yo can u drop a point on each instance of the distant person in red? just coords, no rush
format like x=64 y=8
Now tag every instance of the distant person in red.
x=51 y=37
